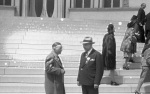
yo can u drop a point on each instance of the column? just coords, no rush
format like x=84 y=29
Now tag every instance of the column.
x=67 y=8
x=72 y=3
x=24 y=8
x=44 y=10
x=92 y=4
x=55 y=13
x=63 y=9
x=12 y=3
x=101 y=4
x=32 y=8
x=17 y=5
x=111 y=3
x=121 y=3
x=96 y=3
x=82 y=3
x=59 y=8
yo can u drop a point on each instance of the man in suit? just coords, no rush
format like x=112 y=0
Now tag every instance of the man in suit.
x=90 y=69
x=54 y=71
x=141 y=18
x=147 y=25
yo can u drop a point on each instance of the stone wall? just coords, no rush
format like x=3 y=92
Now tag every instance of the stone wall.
x=109 y=14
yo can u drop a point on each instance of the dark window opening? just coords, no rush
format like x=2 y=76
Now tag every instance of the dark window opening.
x=87 y=3
x=78 y=4
x=1 y=2
x=116 y=3
x=7 y=2
x=107 y=3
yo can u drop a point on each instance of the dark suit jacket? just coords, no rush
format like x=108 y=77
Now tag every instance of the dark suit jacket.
x=54 y=78
x=147 y=26
x=90 y=73
x=141 y=16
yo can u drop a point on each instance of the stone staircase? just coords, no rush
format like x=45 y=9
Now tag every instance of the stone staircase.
x=25 y=43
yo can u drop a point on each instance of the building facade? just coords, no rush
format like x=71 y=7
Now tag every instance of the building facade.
x=74 y=9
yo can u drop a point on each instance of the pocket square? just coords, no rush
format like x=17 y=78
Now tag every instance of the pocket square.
x=92 y=60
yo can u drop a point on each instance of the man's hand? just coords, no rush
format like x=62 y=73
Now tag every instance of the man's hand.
x=78 y=83
x=62 y=71
x=96 y=86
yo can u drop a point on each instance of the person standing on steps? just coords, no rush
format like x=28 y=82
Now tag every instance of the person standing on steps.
x=129 y=43
x=91 y=68
x=145 y=65
x=54 y=71
x=109 y=53
x=147 y=25
x=141 y=19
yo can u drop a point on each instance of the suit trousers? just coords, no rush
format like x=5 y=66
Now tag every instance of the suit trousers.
x=142 y=34
x=87 y=89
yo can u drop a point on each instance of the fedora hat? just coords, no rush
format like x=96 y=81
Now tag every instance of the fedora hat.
x=88 y=40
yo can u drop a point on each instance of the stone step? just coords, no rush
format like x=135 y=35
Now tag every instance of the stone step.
x=69 y=93
x=39 y=79
x=11 y=41
x=65 y=58
x=48 y=47
x=42 y=57
x=69 y=71
x=70 y=88
x=41 y=64
x=5 y=57
x=45 y=43
x=65 y=52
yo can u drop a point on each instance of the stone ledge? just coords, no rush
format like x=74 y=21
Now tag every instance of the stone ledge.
x=101 y=9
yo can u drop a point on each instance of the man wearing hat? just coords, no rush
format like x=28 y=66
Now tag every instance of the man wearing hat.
x=141 y=18
x=90 y=69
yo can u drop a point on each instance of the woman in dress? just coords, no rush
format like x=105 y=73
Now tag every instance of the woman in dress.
x=128 y=45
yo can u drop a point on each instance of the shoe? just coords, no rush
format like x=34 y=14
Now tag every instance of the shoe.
x=137 y=92
x=114 y=83
x=126 y=68
x=131 y=60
